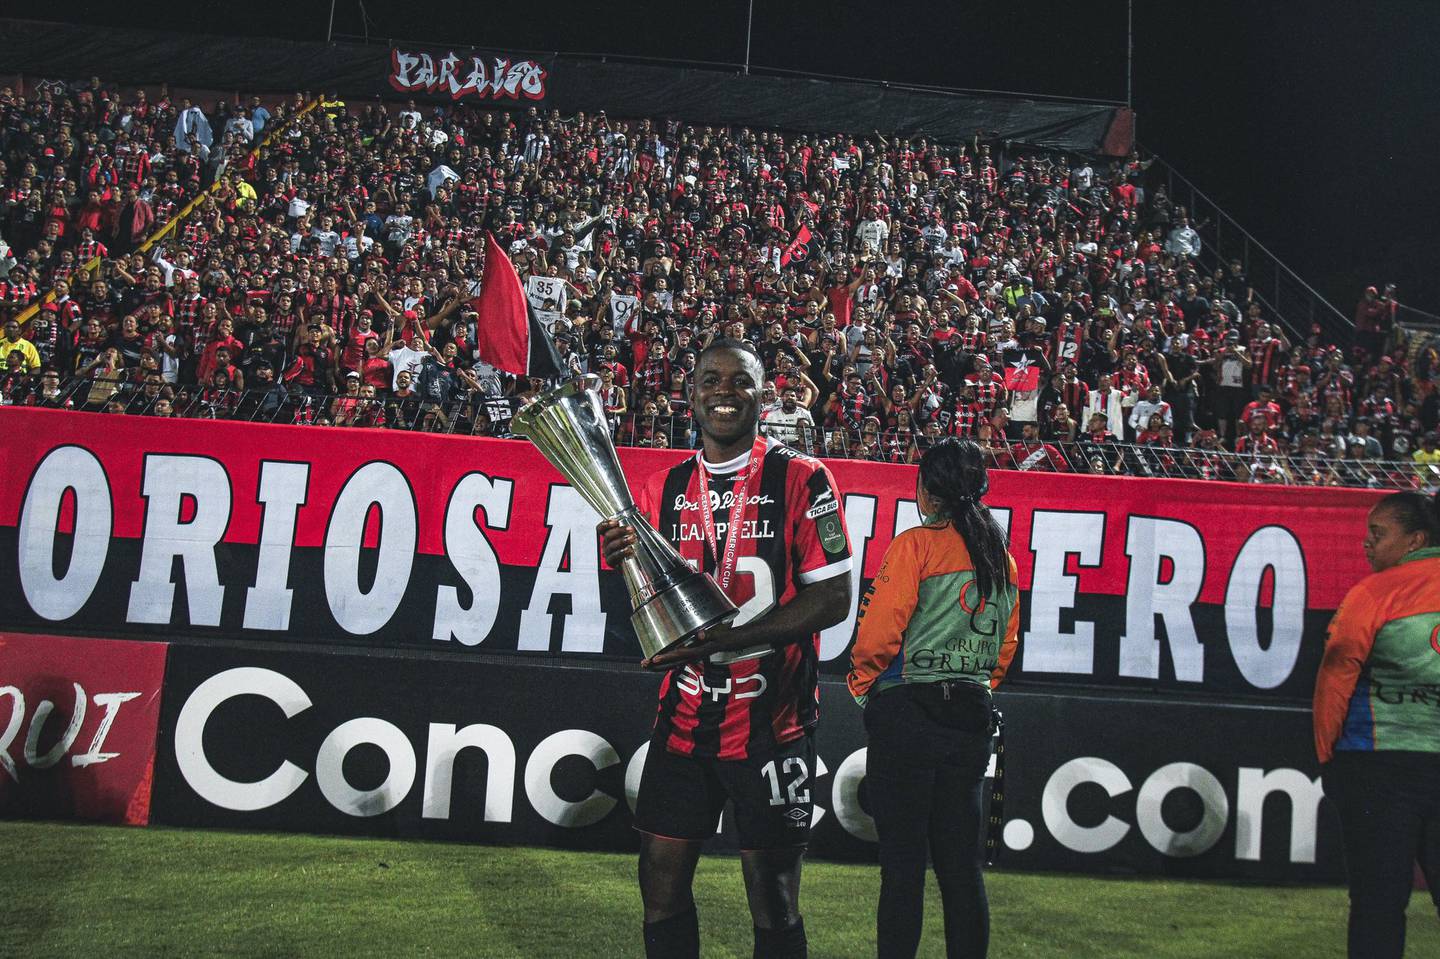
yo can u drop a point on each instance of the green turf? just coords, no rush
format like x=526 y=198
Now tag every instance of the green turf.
x=69 y=890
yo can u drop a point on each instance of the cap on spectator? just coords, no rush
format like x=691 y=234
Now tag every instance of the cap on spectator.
x=1372 y=291
x=352 y=375
x=411 y=315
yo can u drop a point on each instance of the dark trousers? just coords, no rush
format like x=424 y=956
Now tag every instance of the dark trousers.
x=924 y=771
x=1389 y=805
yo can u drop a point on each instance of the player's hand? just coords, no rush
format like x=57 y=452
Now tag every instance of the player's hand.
x=716 y=639
x=697 y=649
x=617 y=541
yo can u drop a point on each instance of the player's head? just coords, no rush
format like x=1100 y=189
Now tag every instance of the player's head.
x=725 y=392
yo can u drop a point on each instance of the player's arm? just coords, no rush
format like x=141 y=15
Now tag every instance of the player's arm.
x=813 y=608
x=820 y=544
x=1347 y=646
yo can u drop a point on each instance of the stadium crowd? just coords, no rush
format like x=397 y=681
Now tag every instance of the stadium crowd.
x=1057 y=309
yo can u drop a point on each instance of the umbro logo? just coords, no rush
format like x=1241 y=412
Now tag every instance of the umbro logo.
x=797 y=816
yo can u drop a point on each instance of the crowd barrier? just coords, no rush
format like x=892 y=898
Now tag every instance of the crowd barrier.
x=340 y=741
x=132 y=526
x=472 y=414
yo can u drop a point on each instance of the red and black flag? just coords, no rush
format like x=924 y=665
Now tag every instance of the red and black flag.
x=507 y=333
x=805 y=246
x=1022 y=369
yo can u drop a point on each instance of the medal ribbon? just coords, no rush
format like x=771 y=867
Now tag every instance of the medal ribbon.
x=725 y=563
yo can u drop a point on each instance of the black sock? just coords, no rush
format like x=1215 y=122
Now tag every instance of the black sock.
x=677 y=937
x=787 y=943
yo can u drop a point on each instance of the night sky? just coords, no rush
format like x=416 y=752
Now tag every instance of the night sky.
x=1315 y=125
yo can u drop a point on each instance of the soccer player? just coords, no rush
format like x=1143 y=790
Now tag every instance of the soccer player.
x=738 y=707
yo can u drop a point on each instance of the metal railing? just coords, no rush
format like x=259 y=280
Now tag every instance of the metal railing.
x=1295 y=303
x=473 y=414
x=1414 y=318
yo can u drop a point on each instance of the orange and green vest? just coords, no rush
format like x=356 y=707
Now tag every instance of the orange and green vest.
x=923 y=619
x=1379 y=683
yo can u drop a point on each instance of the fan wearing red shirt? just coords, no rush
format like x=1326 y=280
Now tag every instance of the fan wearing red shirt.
x=1258 y=441
x=1032 y=453
x=738 y=707
x=1266 y=406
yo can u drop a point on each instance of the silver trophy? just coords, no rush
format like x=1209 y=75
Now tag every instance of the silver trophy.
x=672 y=603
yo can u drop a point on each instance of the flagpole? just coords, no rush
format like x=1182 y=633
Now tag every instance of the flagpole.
x=749 y=21
x=1129 y=51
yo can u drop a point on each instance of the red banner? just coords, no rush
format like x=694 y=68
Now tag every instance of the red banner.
x=385 y=538
x=77 y=737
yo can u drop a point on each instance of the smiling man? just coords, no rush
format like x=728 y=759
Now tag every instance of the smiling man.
x=738 y=708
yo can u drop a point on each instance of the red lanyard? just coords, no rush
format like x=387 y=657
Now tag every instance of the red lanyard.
x=725 y=565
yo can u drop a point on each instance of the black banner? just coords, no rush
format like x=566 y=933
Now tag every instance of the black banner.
x=67 y=51
x=500 y=751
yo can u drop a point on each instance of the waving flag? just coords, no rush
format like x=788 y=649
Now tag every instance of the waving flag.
x=1022 y=370
x=803 y=247
x=508 y=335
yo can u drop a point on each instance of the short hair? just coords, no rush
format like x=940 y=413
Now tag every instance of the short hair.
x=743 y=347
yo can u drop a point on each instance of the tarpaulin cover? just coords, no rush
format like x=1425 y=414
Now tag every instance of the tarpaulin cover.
x=70 y=52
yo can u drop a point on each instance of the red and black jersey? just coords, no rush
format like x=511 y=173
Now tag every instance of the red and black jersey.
x=1075 y=395
x=793 y=534
x=963 y=419
x=1069 y=338
x=1266 y=357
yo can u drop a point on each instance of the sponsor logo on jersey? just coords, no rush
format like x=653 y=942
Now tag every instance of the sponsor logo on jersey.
x=823 y=509
x=719 y=501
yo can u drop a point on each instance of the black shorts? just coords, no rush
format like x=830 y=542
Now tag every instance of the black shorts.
x=1230 y=401
x=682 y=798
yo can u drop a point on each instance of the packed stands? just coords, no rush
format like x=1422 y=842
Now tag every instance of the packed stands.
x=315 y=263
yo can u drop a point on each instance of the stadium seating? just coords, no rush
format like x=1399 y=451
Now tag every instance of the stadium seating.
x=315 y=263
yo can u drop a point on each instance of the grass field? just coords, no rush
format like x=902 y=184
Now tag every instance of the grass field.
x=69 y=890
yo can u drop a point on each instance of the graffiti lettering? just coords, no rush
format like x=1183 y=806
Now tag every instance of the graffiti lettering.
x=479 y=77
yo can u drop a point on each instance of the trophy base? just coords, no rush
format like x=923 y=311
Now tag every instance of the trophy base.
x=677 y=615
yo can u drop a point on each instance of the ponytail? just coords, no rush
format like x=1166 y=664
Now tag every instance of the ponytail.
x=953 y=474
